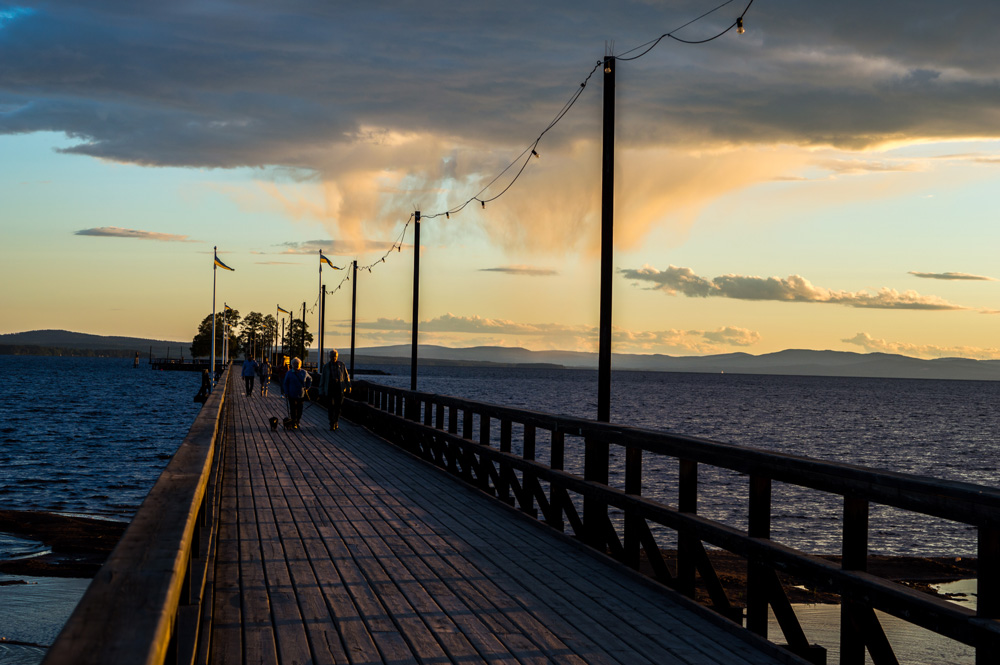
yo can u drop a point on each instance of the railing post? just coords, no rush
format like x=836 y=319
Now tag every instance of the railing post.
x=440 y=424
x=687 y=502
x=988 y=588
x=595 y=511
x=557 y=455
x=758 y=526
x=467 y=424
x=528 y=480
x=452 y=419
x=484 y=463
x=503 y=490
x=855 y=557
x=633 y=523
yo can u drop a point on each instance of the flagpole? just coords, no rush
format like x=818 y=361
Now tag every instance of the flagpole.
x=215 y=252
x=320 y=317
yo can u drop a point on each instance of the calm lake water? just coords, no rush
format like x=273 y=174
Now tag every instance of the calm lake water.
x=88 y=435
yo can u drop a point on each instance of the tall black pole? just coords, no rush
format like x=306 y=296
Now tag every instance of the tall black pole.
x=354 y=311
x=305 y=351
x=596 y=453
x=607 y=244
x=416 y=298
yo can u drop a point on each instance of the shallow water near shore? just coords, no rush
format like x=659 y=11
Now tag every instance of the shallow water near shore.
x=33 y=614
x=913 y=645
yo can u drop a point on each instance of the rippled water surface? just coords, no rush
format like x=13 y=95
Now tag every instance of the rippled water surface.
x=88 y=435
x=943 y=429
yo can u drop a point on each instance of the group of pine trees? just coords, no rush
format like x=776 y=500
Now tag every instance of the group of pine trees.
x=255 y=335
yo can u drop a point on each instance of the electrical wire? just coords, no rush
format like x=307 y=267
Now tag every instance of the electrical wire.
x=653 y=43
x=531 y=151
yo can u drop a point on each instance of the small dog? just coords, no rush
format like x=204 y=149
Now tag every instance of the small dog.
x=274 y=423
x=288 y=423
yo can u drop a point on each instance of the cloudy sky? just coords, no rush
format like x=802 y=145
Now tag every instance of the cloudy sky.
x=826 y=180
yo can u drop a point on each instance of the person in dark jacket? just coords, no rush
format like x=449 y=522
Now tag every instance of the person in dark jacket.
x=264 y=371
x=296 y=383
x=279 y=374
x=334 y=383
x=206 y=388
x=249 y=372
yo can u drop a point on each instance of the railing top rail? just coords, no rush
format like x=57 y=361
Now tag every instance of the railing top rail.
x=128 y=610
x=954 y=500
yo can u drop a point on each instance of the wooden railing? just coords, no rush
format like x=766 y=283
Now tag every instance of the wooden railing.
x=143 y=606
x=473 y=441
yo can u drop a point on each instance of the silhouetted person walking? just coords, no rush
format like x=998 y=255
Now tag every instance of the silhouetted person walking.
x=296 y=385
x=249 y=372
x=334 y=383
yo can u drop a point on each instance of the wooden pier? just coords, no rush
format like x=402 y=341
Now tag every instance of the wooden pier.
x=419 y=533
x=337 y=547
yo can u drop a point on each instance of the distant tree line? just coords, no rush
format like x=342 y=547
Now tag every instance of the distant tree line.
x=253 y=335
x=35 y=350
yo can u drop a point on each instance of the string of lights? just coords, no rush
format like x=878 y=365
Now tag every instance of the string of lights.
x=650 y=45
x=524 y=158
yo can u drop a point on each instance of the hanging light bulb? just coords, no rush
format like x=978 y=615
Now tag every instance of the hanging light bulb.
x=484 y=204
x=607 y=66
x=739 y=26
x=447 y=215
x=535 y=154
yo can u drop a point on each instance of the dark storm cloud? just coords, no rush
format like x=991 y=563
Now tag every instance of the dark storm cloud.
x=225 y=84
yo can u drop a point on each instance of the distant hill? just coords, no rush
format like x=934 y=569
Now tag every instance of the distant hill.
x=789 y=362
x=800 y=362
x=64 y=342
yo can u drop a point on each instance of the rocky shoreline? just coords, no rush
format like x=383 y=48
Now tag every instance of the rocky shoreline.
x=79 y=545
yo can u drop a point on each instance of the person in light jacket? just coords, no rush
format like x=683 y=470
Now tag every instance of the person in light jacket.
x=295 y=385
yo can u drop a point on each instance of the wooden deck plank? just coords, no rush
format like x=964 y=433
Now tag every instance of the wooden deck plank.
x=591 y=594
x=258 y=632
x=626 y=648
x=523 y=583
x=592 y=586
x=295 y=538
x=288 y=623
x=226 y=638
x=350 y=550
x=323 y=635
x=499 y=612
x=365 y=628
x=325 y=461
